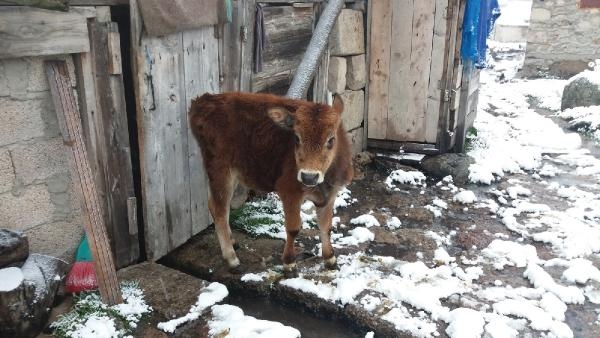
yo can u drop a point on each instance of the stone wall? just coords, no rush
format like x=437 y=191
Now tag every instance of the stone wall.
x=562 y=38
x=348 y=72
x=36 y=193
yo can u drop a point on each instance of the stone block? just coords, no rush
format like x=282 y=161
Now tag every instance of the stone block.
x=580 y=92
x=7 y=174
x=38 y=161
x=356 y=138
x=31 y=207
x=15 y=71
x=354 y=107
x=540 y=14
x=21 y=120
x=336 y=78
x=57 y=239
x=356 y=74
x=348 y=34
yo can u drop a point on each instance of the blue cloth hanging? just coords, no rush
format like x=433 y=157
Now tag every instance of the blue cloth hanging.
x=480 y=16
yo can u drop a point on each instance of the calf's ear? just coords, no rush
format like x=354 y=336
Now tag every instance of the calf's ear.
x=338 y=104
x=281 y=116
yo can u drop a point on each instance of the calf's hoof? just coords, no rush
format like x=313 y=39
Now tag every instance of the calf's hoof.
x=233 y=263
x=290 y=270
x=330 y=263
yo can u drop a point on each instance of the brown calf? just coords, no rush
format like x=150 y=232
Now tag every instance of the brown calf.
x=296 y=148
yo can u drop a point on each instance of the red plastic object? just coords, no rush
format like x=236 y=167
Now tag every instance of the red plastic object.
x=82 y=277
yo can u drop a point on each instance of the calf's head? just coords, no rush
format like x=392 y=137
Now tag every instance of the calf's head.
x=314 y=128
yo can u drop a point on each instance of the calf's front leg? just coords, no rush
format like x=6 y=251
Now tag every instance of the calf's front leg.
x=293 y=222
x=324 y=217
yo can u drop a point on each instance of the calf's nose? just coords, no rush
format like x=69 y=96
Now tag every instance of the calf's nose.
x=309 y=179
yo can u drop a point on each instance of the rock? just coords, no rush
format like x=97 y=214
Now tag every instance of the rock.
x=348 y=34
x=354 y=107
x=336 y=78
x=580 y=92
x=25 y=306
x=14 y=248
x=356 y=74
x=453 y=164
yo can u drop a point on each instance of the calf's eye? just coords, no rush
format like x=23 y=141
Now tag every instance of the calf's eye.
x=297 y=139
x=330 y=142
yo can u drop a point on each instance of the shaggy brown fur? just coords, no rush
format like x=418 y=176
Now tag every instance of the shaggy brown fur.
x=296 y=148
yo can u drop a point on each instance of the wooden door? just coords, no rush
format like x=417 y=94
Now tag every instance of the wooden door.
x=169 y=71
x=411 y=48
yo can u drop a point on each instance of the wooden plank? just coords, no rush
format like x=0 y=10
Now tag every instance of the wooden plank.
x=230 y=49
x=379 y=68
x=201 y=76
x=98 y=2
x=400 y=123
x=248 y=10
x=447 y=118
x=114 y=52
x=436 y=74
x=58 y=5
x=289 y=30
x=420 y=63
x=113 y=149
x=27 y=31
x=409 y=147
x=70 y=123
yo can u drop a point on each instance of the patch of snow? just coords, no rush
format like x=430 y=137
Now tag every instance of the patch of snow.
x=343 y=199
x=393 y=223
x=230 y=321
x=405 y=177
x=580 y=271
x=540 y=319
x=370 y=334
x=10 y=279
x=464 y=323
x=97 y=327
x=357 y=235
x=253 y=277
x=504 y=253
x=441 y=256
x=465 y=197
x=210 y=295
x=366 y=219
x=542 y=280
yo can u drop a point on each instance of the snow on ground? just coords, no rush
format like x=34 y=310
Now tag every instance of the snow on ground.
x=91 y=318
x=230 y=321
x=210 y=295
x=414 y=177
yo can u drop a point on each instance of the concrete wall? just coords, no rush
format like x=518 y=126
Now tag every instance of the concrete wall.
x=36 y=193
x=562 y=39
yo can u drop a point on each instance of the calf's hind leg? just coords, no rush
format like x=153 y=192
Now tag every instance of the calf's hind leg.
x=221 y=190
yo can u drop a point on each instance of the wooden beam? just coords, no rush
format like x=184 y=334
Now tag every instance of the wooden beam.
x=27 y=31
x=98 y=2
x=71 y=130
x=57 y=5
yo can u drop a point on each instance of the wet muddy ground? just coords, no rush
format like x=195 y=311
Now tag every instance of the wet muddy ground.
x=469 y=228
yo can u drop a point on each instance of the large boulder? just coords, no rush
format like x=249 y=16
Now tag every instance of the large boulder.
x=453 y=164
x=27 y=295
x=582 y=90
x=14 y=248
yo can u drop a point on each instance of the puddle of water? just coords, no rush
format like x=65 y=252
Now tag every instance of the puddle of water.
x=308 y=324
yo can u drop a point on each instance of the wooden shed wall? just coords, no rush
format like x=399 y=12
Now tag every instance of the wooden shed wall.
x=171 y=70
